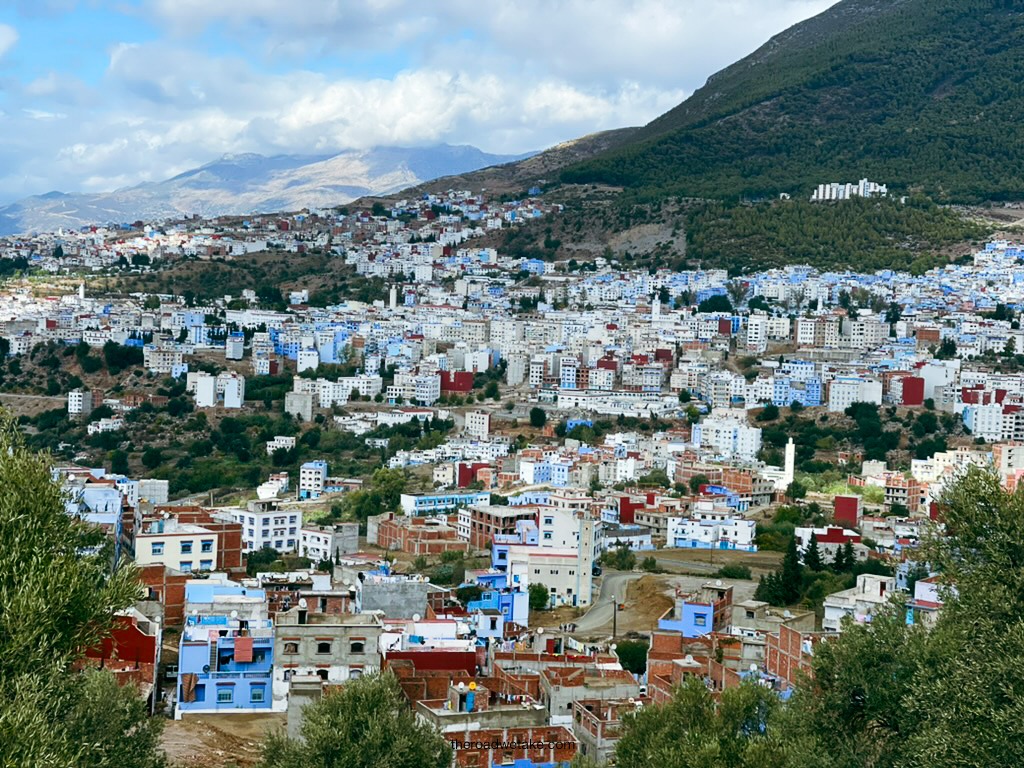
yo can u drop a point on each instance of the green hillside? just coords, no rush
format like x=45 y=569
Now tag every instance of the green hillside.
x=924 y=95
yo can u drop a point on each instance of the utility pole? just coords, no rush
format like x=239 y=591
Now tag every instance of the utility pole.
x=615 y=617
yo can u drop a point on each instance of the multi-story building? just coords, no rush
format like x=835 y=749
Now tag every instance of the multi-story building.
x=312 y=478
x=225 y=664
x=328 y=542
x=265 y=525
x=333 y=647
x=183 y=546
x=860 y=602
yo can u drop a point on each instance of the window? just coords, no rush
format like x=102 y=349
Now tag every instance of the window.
x=200 y=692
x=700 y=620
x=322 y=674
x=278 y=545
x=186 y=547
x=207 y=545
x=157 y=547
x=257 y=694
x=291 y=519
x=494 y=623
x=206 y=565
x=323 y=647
x=355 y=674
x=750 y=614
x=356 y=646
x=185 y=566
x=549 y=521
x=225 y=694
x=547 y=535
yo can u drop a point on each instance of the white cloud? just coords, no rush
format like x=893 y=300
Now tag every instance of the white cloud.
x=505 y=77
x=8 y=38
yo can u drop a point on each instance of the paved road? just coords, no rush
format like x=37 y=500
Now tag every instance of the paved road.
x=600 y=614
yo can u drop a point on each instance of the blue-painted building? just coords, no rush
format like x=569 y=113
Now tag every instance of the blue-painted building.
x=225 y=664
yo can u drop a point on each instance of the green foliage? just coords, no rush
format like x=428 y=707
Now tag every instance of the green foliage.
x=540 y=597
x=261 y=560
x=692 y=730
x=812 y=557
x=58 y=596
x=735 y=572
x=874 y=234
x=469 y=593
x=365 y=724
x=649 y=564
x=538 y=417
x=892 y=92
x=632 y=655
x=621 y=557
x=715 y=303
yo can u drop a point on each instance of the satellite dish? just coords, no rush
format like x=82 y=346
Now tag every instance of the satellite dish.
x=718 y=582
x=612 y=647
x=753 y=668
x=787 y=615
x=472 y=686
x=194 y=611
x=206 y=668
x=416 y=617
x=688 y=659
x=631 y=700
x=234 y=614
x=462 y=686
x=302 y=602
x=540 y=630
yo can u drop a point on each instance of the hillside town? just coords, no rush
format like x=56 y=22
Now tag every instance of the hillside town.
x=629 y=432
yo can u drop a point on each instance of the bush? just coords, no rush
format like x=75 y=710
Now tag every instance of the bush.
x=540 y=598
x=735 y=572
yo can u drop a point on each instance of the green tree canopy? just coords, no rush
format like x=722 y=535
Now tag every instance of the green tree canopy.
x=367 y=724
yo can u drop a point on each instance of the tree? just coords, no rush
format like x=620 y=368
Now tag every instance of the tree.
x=692 y=730
x=261 y=560
x=792 y=573
x=796 y=490
x=119 y=462
x=696 y=482
x=812 y=556
x=632 y=655
x=717 y=303
x=365 y=724
x=152 y=457
x=50 y=714
x=492 y=391
x=769 y=413
x=649 y=564
x=947 y=349
x=538 y=417
x=540 y=597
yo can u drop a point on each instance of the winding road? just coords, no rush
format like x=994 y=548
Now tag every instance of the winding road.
x=614 y=583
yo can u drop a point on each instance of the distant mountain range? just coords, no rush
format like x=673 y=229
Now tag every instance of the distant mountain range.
x=250 y=183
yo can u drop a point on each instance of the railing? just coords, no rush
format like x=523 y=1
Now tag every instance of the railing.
x=235 y=675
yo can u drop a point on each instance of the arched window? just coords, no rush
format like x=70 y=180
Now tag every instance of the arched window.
x=323 y=647
x=322 y=674
x=357 y=646
x=291 y=648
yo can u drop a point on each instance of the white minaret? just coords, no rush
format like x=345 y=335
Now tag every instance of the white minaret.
x=655 y=309
x=789 y=468
x=81 y=290
x=394 y=297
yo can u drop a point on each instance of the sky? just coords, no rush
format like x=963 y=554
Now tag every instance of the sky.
x=101 y=94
